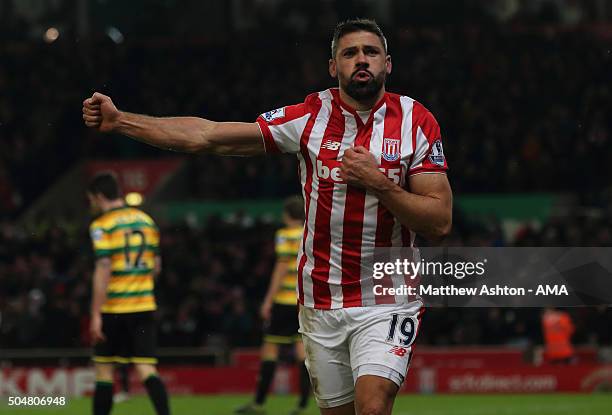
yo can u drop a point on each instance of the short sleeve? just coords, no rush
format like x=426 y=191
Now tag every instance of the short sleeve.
x=156 y=240
x=428 y=150
x=100 y=240
x=282 y=128
x=283 y=247
x=152 y=234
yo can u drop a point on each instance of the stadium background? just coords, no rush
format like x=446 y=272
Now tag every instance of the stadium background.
x=521 y=90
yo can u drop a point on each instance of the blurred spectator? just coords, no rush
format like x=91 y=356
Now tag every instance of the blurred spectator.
x=558 y=330
x=520 y=105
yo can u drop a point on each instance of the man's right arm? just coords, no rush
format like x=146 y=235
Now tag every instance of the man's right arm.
x=185 y=134
x=101 y=278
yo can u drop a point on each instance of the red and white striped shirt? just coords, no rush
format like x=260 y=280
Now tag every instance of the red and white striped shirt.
x=344 y=224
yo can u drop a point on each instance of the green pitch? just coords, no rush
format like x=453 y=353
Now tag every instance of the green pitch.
x=598 y=404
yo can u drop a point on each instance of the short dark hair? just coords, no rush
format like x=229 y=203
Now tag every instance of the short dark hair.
x=356 y=25
x=106 y=184
x=294 y=207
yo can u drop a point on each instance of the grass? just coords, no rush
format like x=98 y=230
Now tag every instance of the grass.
x=559 y=404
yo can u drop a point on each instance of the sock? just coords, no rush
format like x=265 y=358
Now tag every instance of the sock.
x=266 y=374
x=304 y=385
x=103 y=398
x=157 y=393
x=124 y=375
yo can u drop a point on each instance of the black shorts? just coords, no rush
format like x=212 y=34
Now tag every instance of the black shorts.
x=282 y=328
x=130 y=338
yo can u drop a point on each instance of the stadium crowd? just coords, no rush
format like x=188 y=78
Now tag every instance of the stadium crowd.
x=215 y=277
x=520 y=106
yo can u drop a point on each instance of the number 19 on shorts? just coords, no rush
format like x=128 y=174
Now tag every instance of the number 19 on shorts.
x=406 y=325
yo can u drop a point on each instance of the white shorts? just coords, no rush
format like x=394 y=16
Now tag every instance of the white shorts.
x=343 y=344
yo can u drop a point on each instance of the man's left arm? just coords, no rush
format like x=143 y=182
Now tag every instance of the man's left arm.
x=426 y=209
x=157 y=266
x=280 y=270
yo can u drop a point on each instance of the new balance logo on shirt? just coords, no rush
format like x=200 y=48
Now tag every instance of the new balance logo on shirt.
x=331 y=145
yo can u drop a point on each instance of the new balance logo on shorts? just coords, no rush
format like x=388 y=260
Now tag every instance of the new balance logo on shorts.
x=399 y=351
x=331 y=145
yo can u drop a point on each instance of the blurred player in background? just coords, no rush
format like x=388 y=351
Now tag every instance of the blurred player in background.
x=126 y=247
x=558 y=331
x=373 y=174
x=279 y=310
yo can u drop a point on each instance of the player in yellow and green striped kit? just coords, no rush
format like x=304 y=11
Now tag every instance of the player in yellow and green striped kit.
x=126 y=246
x=279 y=310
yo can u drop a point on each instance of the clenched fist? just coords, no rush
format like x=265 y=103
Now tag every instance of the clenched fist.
x=359 y=168
x=100 y=113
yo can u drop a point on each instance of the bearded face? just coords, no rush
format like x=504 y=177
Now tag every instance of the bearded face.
x=363 y=85
x=361 y=65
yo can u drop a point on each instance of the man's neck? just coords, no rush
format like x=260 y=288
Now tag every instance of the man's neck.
x=294 y=223
x=113 y=204
x=362 y=105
